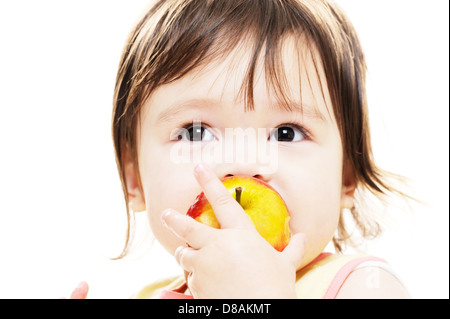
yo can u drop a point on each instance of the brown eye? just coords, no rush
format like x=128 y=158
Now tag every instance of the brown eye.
x=287 y=133
x=196 y=132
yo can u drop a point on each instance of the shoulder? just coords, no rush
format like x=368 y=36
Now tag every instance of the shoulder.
x=332 y=276
x=372 y=282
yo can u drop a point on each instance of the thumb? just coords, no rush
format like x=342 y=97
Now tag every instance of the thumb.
x=81 y=291
x=295 y=250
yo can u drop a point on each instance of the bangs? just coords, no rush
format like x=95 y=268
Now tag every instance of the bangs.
x=197 y=33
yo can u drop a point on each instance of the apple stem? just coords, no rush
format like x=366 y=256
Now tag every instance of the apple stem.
x=238 y=191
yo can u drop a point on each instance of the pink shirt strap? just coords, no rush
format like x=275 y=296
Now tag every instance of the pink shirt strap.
x=344 y=272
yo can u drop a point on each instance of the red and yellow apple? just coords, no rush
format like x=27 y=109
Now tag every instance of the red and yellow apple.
x=261 y=202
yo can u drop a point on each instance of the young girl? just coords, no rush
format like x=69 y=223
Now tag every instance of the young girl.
x=289 y=70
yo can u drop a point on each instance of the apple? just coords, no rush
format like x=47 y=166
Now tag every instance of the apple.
x=261 y=202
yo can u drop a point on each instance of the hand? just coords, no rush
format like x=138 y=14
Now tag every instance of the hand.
x=234 y=261
x=80 y=292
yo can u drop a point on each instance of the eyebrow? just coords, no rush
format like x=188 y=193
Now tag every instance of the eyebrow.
x=172 y=111
x=177 y=108
x=305 y=110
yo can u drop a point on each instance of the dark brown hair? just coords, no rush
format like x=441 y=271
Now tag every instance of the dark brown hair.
x=176 y=36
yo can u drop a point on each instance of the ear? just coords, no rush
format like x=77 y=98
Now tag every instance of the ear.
x=136 y=200
x=348 y=189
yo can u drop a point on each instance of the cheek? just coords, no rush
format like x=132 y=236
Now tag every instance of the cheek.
x=177 y=192
x=166 y=185
x=315 y=206
x=316 y=214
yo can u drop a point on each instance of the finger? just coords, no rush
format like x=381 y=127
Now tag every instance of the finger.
x=295 y=250
x=228 y=212
x=184 y=256
x=186 y=228
x=81 y=291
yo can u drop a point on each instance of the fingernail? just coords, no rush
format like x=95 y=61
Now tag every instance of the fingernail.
x=81 y=285
x=199 y=169
x=164 y=215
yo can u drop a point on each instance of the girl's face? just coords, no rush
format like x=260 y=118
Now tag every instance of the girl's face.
x=206 y=106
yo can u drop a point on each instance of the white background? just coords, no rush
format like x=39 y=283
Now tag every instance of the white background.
x=61 y=209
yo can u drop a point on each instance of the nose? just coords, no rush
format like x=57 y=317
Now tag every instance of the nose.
x=245 y=152
x=242 y=169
